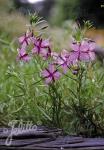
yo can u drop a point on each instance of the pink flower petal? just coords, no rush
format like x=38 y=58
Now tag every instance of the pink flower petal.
x=45 y=43
x=25 y=39
x=84 y=46
x=45 y=73
x=57 y=75
x=60 y=60
x=45 y=53
x=84 y=57
x=48 y=80
x=26 y=58
x=35 y=50
x=21 y=39
x=75 y=46
x=21 y=51
x=64 y=53
x=92 y=55
x=73 y=57
x=92 y=46
x=51 y=68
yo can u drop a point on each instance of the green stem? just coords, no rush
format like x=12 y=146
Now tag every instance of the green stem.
x=79 y=87
x=56 y=105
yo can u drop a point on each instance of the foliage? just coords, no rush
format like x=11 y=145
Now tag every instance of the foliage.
x=74 y=103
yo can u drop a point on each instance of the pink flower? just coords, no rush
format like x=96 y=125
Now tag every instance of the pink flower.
x=83 y=51
x=40 y=46
x=25 y=40
x=22 y=55
x=63 y=60
x=51 y=74
x=54 y=55
x=46 y=53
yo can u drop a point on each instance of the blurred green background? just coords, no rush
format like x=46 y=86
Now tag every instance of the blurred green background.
x=59 y=13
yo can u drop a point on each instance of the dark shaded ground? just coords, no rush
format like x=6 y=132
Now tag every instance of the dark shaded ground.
x=47 y=139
